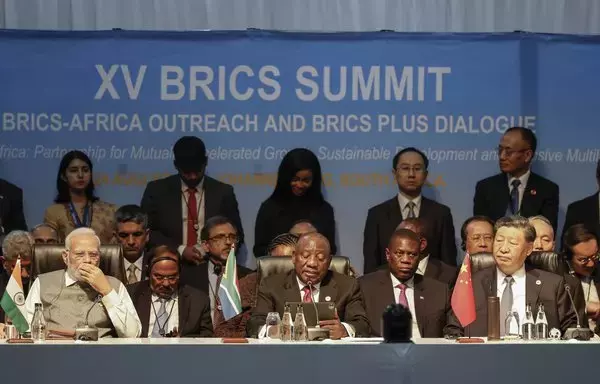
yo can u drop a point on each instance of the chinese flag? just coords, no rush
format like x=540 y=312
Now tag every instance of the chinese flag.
x=463 y=300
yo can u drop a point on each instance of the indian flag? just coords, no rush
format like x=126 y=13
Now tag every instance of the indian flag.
x=229 y=293
x=13 y=300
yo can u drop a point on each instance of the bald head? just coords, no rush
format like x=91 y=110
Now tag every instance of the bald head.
x=302 y=228
x=418 y=227
x=311 y=239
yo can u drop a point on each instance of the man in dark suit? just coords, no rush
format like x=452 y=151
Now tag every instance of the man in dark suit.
x=517 y=285
x=218 y=236
x=178 y=205
x=311 y=266
x=477 y=234
x=427 y=299
x=586 y=211
x=166 y=308
x=517 y=190
x=131 y=231
x=427 y=266
x=410 y=172
x=11 y=208
x=580 y=243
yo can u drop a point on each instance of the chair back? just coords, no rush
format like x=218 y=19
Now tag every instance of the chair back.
x=271 y=265
x=48 y=258
x=481 y=260
x=547 y=261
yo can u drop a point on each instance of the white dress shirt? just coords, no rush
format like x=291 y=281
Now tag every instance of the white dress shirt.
x=172 y=308
x=316 y=294
x=404 y=200
x=591 y=296
x=200 y=198
x=119 y=307
x=523 y=179
x=519 y=292
x=423 y=265
x=138 y=264
x=409 y=291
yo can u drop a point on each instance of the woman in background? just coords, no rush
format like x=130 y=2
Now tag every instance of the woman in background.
x=283 y=245
x=76 y=204
x=297 y=196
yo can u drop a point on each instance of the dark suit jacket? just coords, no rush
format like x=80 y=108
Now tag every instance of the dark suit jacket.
x=383 y=219
x=197 y=277
x=162 y=203
x=492 y=198
x=11 y=207
x=274 y=291
x=273 y=219
x=194 y=309
x=550 y=292
x=432 y=302
x=584 y=211
x=441 y=271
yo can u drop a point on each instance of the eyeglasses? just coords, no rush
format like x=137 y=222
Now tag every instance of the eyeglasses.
x=232 y=238
x=509 y=152
x=586 y=260
x=479 y=237
x=405 y=169
x=161 y=278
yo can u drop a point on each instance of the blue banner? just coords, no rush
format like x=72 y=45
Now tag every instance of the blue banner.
x=354 y=99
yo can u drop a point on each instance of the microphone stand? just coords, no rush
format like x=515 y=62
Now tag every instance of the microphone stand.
x=579 y=333
x=316 y=333
x=87 y=333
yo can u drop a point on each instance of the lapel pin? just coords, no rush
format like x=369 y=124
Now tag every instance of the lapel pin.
x=533 y=192
x=327 y=298
x=538 y=282
x=421 y=298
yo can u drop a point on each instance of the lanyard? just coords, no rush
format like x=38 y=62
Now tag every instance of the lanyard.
x=87 y=215
x=162 y=328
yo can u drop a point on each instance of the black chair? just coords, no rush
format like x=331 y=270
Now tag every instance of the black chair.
x=270 y=265
x=547 y=261
x=481 y=260
x=48 y=258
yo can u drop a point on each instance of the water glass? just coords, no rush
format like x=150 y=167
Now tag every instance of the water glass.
x=273 y=325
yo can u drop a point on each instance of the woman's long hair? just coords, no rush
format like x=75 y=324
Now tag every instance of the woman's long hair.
x=298 y=159
x=62 y=187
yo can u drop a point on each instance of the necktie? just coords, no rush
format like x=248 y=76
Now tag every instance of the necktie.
x=514 y=196
x=161 y=320
x=218 y=317
x=506 y=302
x=307 y=298
x=402 y=300
x=411 y=210
x=131 y=277
x=192 y=218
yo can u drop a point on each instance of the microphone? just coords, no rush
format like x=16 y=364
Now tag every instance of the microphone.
x=578 y=333
x=316 y=333
x=87 y=333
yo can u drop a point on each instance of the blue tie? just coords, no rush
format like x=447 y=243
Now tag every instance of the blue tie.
x=161 y=320
x=514 y=196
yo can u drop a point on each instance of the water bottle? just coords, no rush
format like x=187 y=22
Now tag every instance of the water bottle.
x=38 y=324
x=541 y=324
x=300 y=328
x=511 y=324
x=528 y=327
x=286 y=324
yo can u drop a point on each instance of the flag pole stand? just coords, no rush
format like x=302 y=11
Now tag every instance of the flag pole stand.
x=469 y=339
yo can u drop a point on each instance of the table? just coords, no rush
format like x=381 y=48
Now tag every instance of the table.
x=112 y=361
